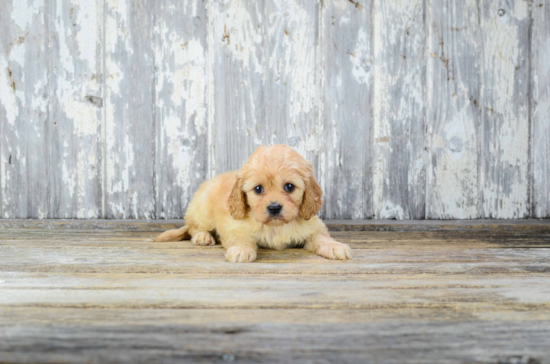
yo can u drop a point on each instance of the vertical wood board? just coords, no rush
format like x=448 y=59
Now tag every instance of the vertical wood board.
x=540 y=86
x=238 y=47
x=399 y=181
x=25 y=99
x=505 y=124
x=76 y=108
x=348 y=109
x=181 y=104
x=453 y=110
x=129 y=128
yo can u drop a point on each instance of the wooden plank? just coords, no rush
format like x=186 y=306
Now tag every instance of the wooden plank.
x=92 y=251
x=197 y=317
x=540 y=103
x=238 y=89
x=160 y=291
x=129 y=130
x=265 y=80
x=469 y=341
x=386 y=240
x=88 y=295
x=399 y=181
x=77 y=108
x=505 y=108
x=348 y=109
x=24 y=110
x=182 y=104
x=453 y=111
x=290 y=73
x=432 y=342
x=530 y=227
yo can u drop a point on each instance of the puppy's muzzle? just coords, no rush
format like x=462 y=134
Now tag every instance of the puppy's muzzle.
x=274 y=209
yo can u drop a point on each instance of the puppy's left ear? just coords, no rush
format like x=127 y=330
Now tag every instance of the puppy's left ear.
x=312 y=200
x=237 y=200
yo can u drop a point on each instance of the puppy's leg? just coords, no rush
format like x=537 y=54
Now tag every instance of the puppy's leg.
x=327 y=247
x=240 y=249
x=200 y=237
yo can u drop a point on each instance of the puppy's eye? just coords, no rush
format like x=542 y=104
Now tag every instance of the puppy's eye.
x=289 y=187
x=259 y=189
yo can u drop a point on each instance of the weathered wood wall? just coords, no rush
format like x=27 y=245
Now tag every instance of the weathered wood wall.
x=407 y=109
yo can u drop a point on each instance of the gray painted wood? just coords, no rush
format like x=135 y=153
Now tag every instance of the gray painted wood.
x=453 y=113
x=76 y=106
x=292 y=61
x=505 y=29
x=399 y=109
x=237 y=46
x=348 y=111
x=129 y=125
x=25 y=99
x=181 y=104
x=540 y=142
x=406 y=109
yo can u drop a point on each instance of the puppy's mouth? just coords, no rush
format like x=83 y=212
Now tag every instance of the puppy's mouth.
x=275 y=220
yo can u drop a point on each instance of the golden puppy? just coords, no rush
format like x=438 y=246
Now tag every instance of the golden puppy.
x=270 y=202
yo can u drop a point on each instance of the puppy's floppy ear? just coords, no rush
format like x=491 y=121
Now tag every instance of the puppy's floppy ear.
x=312 y=200
x=237 y=200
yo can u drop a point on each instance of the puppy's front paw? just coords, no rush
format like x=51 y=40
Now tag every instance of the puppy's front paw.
x=238 y=254
x=333 y=250
x=203 y=238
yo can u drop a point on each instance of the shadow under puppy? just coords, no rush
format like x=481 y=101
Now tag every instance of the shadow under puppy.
x=270 y=202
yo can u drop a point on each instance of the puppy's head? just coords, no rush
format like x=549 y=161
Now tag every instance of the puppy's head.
x=277 y=186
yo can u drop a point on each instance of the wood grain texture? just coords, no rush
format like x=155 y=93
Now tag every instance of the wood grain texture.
x=25 y=98
x=292 y=86
x=540 y=86
x=238 y=56
x=348 y=109
x=181 y=100
x=76 y=110
x=505 y=109
x=406 y=109
x=453 y=110
x=399 y=109
x=96 y=291
x=129 y=125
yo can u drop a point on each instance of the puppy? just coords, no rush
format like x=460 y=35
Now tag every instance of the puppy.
x=270 y=202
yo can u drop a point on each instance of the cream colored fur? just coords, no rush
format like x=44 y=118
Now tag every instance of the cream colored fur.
x=228 y=205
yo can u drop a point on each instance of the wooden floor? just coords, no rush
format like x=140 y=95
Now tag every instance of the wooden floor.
x=420 y=292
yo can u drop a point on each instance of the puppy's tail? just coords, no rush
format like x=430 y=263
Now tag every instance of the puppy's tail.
x=174 y=235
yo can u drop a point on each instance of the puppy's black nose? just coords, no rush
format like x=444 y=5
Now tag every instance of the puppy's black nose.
x=274 y=208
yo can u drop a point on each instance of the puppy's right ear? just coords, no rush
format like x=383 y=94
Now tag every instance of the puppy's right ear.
x=237 y=200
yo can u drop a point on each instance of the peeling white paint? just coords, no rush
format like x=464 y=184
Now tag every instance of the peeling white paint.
x=23 y=12
x=7 y=95
x=359 y=58
x=245 y=46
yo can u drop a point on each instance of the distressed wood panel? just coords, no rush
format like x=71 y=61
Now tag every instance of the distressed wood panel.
x=172 y=340
x=540 y=142
x=291 y=66
x=505 y=109
x=25 y=98
x=181 y=102
x=453 y=83
x=76 y=108
x=406 y=109
x=265 y=79
x=237 y=46
x=348 y=109
x=73 y=292
x=129 y=125
x=399 y=181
